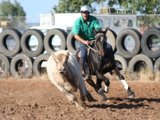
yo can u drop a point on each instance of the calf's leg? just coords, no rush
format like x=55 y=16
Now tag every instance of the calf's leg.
x=85 y=93
x=71 y=97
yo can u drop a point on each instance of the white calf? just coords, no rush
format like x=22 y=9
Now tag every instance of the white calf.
x=64 y=72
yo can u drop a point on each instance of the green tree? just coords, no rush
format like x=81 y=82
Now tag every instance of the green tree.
x=138 y=6
x=13 y=13
x=73 y=6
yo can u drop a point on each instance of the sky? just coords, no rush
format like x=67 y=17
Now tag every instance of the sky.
x=34 y=8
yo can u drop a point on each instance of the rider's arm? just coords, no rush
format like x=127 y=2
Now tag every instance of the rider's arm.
x=77 y=37
x=76 y=31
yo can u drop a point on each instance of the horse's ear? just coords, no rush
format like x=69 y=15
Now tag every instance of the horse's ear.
x=106 y=29
x=96 y=31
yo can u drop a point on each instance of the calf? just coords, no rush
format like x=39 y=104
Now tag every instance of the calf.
x=64 y=72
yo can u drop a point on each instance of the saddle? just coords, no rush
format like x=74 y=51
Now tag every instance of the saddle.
x=88 y=66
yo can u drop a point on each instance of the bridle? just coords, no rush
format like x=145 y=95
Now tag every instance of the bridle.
x=95 y=50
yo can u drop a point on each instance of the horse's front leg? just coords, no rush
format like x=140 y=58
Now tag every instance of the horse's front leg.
x=100 y=78
x=91 y=83
x=126 y=86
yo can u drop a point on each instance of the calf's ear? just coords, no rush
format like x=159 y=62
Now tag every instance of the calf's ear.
x=68 y=53
x=54 y=57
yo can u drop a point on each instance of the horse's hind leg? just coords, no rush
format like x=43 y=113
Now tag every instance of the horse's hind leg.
x=126 y=86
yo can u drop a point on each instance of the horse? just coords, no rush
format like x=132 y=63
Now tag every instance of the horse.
x=101 y=61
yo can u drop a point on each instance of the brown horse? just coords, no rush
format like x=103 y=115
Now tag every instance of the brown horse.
x=100 y=61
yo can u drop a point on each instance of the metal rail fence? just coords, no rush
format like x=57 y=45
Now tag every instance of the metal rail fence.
x=115 y=22
x=119 y=22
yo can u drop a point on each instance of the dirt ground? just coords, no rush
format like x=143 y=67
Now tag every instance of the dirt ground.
x=33 y=99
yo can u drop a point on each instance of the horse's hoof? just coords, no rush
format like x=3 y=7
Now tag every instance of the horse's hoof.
x=81 y=108
x=131 y=96
x=103 y=89
x=130 y=93
x=101 y=92
x=107 y=101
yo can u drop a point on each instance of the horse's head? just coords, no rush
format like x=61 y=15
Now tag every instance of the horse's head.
x=101 y=41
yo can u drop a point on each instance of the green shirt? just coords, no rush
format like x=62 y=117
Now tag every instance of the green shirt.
x=85 y=30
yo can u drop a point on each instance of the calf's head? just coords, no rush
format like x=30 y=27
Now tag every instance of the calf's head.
x=61 y=61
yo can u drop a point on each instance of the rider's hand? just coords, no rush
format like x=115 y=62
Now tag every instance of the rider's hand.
x=86 y=42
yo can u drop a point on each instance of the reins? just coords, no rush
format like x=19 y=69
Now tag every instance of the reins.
x=91 y=47
x=92 y=43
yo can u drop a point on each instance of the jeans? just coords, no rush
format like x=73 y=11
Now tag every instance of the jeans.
x=83 y=50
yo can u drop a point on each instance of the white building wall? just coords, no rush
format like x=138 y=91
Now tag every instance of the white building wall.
x=58 y=19
x=66 y=19
x=47 y=19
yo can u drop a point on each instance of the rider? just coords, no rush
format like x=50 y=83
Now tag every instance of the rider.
x=83 y=32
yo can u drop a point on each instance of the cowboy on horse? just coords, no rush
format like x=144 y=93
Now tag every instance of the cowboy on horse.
x=83 y=32
x=100 y=58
